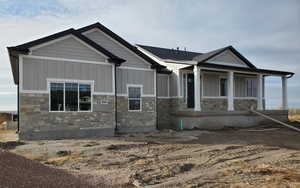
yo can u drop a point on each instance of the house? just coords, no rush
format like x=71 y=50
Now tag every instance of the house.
x=90 y=82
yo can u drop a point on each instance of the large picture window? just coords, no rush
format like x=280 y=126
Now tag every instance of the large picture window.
x=70 y=96
x=134 y=98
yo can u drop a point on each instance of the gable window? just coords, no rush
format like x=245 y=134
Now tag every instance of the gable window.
x=251 y=87
x=70 y=96
x=134 y=98
x=223 y=87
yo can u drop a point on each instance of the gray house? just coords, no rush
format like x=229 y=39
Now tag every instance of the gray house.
x=90 y=82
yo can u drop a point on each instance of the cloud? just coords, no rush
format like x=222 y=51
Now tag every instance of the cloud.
x=266 y=33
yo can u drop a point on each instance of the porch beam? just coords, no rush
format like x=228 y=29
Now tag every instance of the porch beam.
x=230 y=101
x=284 y=93
x=197 y=83
x=260 y=92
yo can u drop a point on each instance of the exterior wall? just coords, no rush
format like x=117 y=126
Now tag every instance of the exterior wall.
x=211 y=85
x=214 y=105
x=173 y=85
x=69 y=48
x=139 y=77
x=36 y=122
x=164 y=113
x=114 y=47
x=240 y=88
x=142 y=121
x=36 y=72
x=162 y=85
x=242 y=104
x=220 y=120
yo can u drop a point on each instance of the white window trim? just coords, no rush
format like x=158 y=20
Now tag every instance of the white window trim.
x=54 y=80
x=141 y=103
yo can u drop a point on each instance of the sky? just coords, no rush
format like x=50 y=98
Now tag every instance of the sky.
x=266 y=32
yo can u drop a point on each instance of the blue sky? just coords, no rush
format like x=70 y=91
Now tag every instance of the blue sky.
x=266 y=32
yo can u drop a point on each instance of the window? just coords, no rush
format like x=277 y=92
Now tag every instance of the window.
x=134 y=98
x=223 y=87
x=251 y=87
x=70 y=96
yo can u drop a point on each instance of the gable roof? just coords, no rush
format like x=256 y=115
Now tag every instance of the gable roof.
x=171 y=54
x=207 y=56
x=116 y=37
x=24 y=48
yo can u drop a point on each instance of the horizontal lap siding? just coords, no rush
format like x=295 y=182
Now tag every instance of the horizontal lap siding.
x=162 y=85
x=36 y=72
x=211 y=85
x=69 y=48
x=138 y=77
x=115 y=48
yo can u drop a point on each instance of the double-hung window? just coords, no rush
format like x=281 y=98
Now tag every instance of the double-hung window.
x=70 y=96
x=134 y=98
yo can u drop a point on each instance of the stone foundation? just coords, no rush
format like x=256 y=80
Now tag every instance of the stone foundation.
x=36 y=122
x=244 y=104
x=220 y=120
x=142 y=121
x=208 y=105
x=164 y=113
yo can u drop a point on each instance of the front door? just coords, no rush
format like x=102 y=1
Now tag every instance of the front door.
x=190 y=91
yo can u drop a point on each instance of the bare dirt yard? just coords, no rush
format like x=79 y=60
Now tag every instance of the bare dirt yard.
x=266 y=157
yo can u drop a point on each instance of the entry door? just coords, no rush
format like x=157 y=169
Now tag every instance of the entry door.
x=190 y=91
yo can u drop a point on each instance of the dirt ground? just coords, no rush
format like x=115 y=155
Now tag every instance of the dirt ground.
x=237 y=158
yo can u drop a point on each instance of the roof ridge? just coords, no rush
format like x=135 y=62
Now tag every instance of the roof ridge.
x=141 y=45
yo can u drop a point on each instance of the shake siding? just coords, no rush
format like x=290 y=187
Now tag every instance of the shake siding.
x=115 y=48
x=36 y=72
x=162 y=85
x=69 y=48
x=138 y=77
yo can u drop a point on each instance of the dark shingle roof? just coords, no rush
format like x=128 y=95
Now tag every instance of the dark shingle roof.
x=165 y=53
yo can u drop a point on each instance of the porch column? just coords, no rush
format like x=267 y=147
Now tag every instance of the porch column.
x=230 y=91
x=284 y=93
x=260 y=92
x=197 y=83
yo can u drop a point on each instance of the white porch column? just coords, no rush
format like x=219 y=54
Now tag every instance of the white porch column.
x=197 y=83
x=284 y=93
x=230 y=91
x=260 y=92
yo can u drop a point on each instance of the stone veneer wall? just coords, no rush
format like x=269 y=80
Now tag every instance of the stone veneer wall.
x=213 y=105
x=242 y=104
x=36 y=122
x=164 y=113
x=142 y=121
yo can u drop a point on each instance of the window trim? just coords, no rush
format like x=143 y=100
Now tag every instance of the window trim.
x=54 y=80
x=141 y=99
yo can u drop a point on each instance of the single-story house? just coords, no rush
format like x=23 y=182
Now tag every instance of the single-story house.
x=90 y=82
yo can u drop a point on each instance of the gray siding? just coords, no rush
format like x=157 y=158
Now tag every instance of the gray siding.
x=115 y=48
x=210 y=84
x=240 y=89
x=228 y=57
x=140 y=77
x=36 y=71
x=173 y=85
x=69 y=48
x=162 y=85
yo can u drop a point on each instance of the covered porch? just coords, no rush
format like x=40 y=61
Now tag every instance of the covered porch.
x=214 y=88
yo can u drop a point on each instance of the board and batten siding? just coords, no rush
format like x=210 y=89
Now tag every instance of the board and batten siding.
x=36 y=72
x=69 y=48
x=227 y=57
x=136 y=77
x=240 y=87
x=162 y=85
x=173 y=85
x=211 y=84
x=106 y=42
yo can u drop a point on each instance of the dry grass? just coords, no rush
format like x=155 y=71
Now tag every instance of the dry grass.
x=294 y=115
x=59 y=161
